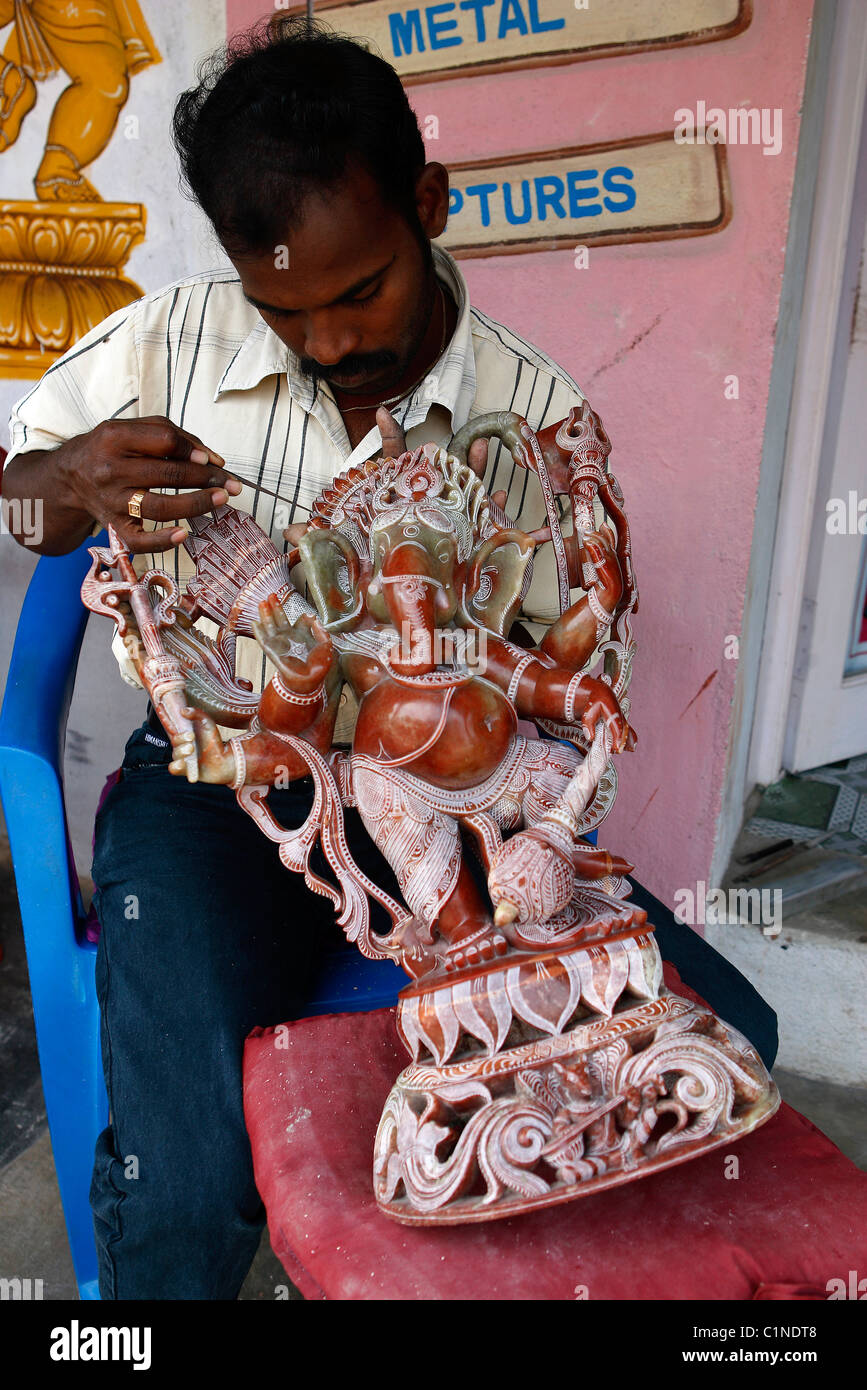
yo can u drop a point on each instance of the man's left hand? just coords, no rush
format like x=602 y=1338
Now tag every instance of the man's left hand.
x=394 y=442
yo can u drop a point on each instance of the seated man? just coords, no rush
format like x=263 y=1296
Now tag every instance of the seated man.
x=303 y=151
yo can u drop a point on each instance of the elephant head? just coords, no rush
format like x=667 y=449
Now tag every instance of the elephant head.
x=411 y=542
x=413 y=587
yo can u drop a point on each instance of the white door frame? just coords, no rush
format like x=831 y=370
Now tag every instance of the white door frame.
x=802 y=384
x=819 y=378
x=828 y=705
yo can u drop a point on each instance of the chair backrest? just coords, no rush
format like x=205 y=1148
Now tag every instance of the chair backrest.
x=41 y=677
x=60 y=962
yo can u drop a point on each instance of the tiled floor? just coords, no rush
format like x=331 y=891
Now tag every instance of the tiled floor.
x=831 y=798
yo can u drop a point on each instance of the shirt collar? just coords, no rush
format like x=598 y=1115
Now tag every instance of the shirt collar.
x=450 y=383
x=260 y=355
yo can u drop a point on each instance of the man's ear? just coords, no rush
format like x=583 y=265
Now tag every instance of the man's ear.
x=432 y=199
x=495 y=581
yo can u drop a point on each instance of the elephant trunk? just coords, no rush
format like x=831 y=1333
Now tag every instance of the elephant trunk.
x=410 y=596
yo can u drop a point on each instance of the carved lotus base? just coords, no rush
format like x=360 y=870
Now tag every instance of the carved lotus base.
x=60 y=275
x=561 y=1098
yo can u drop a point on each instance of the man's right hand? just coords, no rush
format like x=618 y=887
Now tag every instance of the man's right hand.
x=92 y=478
x=105 y=468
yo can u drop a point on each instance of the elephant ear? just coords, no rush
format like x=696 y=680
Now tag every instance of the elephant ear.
x=332 y=570
x=497 y=580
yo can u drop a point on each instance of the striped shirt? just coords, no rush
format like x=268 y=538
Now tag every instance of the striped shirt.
x=201 y=355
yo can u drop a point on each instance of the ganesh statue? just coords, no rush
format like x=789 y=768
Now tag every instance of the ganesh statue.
x=548 y=1059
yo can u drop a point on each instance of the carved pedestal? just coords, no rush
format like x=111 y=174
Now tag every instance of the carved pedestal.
x=549 y=1076
x=60 y=275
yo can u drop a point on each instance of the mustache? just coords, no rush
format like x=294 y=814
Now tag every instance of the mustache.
x=354 y=364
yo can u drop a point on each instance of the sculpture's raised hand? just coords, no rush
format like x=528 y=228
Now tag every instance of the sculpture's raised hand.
x=598 y=556
x=277 y=636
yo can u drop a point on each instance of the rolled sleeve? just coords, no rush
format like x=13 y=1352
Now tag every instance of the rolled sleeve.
x=95 y=380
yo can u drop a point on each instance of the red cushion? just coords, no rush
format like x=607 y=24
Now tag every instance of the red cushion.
x=313 y=1093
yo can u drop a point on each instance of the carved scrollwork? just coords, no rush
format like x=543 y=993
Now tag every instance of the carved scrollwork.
x=462 y=1148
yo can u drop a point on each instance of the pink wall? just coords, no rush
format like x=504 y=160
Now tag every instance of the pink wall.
x=649 y=332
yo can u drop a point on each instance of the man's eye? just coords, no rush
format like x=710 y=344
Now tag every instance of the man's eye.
x=368 y=298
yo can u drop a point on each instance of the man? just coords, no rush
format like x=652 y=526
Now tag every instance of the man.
x=303 y=151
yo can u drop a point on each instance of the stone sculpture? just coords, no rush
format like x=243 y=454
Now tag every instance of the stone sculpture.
x=548 y=1059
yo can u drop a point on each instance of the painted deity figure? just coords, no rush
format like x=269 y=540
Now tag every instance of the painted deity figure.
x=99 y=44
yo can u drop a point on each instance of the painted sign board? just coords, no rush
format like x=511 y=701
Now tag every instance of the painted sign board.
x=646 y=189
x=425 y=42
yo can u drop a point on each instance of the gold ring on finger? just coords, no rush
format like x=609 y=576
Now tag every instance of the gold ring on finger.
x=133 y=506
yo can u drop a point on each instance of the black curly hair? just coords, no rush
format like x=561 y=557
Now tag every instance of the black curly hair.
x=286 y=107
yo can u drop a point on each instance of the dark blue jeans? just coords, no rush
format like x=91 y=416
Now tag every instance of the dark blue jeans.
x=205 y=935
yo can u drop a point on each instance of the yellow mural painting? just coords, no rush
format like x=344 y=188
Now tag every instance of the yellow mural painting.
x=61 y=255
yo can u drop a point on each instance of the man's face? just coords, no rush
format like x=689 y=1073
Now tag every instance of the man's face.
x=352 y=291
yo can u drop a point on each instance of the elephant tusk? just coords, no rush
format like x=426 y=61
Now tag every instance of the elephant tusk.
x=541 y=536
x=505 y=913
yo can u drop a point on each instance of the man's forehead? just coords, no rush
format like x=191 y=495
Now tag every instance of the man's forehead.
x=344 y=237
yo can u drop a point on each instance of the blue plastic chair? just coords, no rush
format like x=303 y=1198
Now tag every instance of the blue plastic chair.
x=60 y=960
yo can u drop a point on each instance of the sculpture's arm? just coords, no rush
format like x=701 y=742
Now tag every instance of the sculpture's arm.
x=258 y=759
x=556 y=693
x=541 y=689
x=302 y=698
x=573 y=638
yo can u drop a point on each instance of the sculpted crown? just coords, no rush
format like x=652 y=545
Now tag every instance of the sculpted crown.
x=427 y=481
